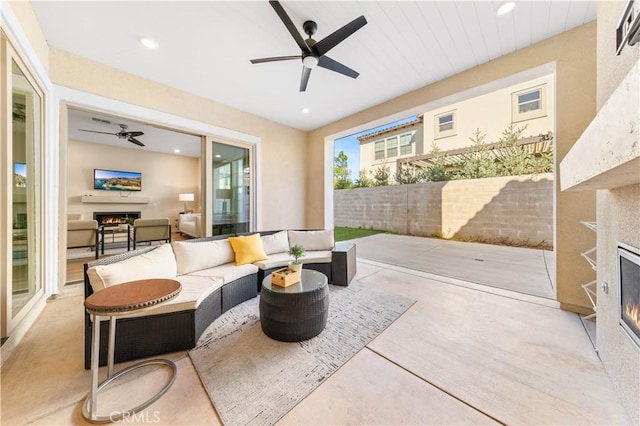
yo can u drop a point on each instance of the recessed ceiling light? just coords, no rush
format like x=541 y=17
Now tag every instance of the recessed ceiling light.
x=506 y=8
x=305 y=110
x=217 y=156
x=149 y=43
x=177 y=150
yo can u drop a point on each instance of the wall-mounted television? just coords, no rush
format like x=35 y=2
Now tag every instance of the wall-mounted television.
x=117 y=180
x=20 y=174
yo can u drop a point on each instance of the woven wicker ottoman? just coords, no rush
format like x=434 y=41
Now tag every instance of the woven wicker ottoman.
x=295 y=313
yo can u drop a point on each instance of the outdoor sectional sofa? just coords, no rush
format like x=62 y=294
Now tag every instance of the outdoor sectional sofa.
x=212 y=283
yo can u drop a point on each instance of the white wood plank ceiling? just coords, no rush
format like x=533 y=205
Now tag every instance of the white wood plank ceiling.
x=205 y=47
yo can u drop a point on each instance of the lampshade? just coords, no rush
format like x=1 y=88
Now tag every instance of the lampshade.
x=186 y=197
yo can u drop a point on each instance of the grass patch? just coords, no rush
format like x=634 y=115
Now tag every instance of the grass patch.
x=342 y=234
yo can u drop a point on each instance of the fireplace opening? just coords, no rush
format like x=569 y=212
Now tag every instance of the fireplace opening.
x=115 y=218
x=629 y=280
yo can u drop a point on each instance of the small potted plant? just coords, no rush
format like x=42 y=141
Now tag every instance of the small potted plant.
x=297 y=251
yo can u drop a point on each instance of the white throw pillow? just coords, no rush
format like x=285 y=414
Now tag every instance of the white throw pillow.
x=312 y=240
x=158 y=263
x=275 y=243
x=201 y=255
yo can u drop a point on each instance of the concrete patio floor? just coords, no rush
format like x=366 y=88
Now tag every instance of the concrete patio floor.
x=464 y=353
x=523 y=270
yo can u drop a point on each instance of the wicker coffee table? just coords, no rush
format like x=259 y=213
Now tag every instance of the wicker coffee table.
x=297 y=312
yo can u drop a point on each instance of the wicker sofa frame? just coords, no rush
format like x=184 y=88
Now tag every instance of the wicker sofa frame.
x=151 y=335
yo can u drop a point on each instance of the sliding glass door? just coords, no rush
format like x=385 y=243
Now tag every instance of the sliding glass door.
x=22 y=140
x=232 y=189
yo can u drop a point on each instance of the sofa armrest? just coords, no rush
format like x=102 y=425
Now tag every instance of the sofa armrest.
x=343 y=263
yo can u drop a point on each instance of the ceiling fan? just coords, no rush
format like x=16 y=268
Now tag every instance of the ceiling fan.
x=122 y=134
x=314 y=53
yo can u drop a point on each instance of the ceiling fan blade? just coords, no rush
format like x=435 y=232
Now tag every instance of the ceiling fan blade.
x=287 y=23
x=306 y=72
x=134 y=140
x=333 y=39
x=274 y=59
x=330 y=64
x=134 y=134
x=95 y=131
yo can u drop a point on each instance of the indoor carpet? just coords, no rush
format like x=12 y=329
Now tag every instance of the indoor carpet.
x=252 y=379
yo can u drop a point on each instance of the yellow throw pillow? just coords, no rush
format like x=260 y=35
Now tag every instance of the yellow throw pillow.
x=247 y=249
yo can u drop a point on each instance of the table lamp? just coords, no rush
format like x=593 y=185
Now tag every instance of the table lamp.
x=186 y=197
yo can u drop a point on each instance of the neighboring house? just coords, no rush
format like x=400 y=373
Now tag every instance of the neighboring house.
x=452 y=127
x=388 y=145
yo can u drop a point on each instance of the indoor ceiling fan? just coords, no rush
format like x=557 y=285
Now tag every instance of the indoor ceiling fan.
x=122 y=134
x=314 y=53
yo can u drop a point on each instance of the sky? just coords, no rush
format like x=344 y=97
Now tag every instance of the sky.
x=351 y=147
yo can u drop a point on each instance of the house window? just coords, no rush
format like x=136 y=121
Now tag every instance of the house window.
x=379 y=150
x=445 y=125
x=392 y=147
x=405 y=144
x=529 y=104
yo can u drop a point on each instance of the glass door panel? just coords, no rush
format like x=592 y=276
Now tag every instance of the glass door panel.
x=231 y=189
x=26 y=133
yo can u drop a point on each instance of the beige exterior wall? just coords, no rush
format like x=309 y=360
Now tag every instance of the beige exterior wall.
x=163 y=177
x=618 y=221
x=491 y=113
x=281 y=186
x=575 y=62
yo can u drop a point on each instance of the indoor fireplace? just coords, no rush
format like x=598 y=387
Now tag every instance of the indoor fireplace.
x=629 y=281
x=115 y=218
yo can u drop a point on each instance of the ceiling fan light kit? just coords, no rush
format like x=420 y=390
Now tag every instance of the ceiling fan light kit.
x=313 y=54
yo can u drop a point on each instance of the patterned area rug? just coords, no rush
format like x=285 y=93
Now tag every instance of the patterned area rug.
x=252 y=379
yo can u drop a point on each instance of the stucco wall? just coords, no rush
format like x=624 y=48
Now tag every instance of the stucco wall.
x=618 y=220
x=517 y=208
x=574 y=56
x=163 y=177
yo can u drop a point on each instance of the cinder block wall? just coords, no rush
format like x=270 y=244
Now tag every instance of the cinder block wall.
x=518 y=208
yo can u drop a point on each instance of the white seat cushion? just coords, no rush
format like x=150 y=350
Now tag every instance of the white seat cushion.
x=227 y=273
x=158 y=263
x=194 y=291
x=282 y=259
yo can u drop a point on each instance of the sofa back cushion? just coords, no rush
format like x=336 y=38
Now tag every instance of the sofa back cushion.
x=158 y=263
x=312 y=240
x=275 y=243
x=192 y=257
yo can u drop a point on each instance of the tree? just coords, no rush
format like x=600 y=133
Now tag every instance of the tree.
x=515 y=159
x=409 y=174
x=382 y=175
x=341 y=172
x=437 y=171
x=478 y=161
x=363 y=181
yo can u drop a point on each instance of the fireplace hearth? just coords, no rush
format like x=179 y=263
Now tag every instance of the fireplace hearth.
x=115 y=218
x=629 y=278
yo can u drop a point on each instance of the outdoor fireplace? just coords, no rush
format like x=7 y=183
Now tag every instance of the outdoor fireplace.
x=115 y=218
x=629 y=279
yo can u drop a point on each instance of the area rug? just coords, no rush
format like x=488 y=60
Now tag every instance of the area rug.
x=252 y=379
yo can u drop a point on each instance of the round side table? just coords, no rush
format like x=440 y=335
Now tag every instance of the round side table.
x=114 y=301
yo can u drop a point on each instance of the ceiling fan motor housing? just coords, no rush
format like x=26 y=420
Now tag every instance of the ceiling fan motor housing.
x=310 y=28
